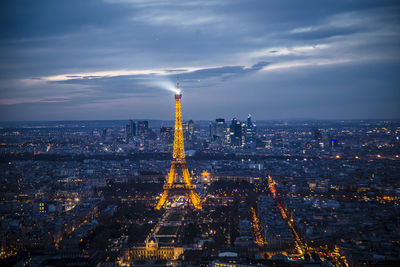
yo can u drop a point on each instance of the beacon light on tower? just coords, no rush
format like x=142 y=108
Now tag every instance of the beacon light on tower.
x=178 y=89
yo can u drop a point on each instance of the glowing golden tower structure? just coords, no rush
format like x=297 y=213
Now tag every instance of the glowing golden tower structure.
x=175 y=185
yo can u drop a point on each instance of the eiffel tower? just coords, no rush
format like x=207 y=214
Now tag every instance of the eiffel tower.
x=175 y=185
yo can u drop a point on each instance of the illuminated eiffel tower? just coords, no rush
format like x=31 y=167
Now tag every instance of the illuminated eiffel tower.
x=179 y=184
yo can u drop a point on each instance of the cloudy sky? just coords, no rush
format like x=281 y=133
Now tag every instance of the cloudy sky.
x=114 y=59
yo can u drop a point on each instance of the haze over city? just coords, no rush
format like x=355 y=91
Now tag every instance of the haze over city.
x=96 y=60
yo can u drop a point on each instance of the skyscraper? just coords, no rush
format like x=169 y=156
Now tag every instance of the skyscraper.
x=218 y=130
x=131 y=129
x=142 y=127
x=236 y=133
x=190 y=130
x=251 y=132
x=167 y=134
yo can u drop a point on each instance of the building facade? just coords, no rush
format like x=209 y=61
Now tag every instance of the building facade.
x=151 y=250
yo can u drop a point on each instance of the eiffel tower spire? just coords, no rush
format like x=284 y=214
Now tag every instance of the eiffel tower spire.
x=174 y=184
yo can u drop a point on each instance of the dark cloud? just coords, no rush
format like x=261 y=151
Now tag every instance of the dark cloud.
x=319 y=34
x=141 y=85
x=224 y=73
x=30 y=19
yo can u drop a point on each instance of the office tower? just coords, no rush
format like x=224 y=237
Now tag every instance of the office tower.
x=316 y=134
x=142 y=127
x=236 y=133
x=167 y=134
x=131 y=129
x=251 y=133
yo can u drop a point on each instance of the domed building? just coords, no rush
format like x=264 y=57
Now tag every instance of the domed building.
x=152 y=250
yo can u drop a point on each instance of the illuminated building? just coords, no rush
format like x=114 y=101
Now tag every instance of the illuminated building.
x=251 y=133
x=218 y=130
x=226 y=264
x=142 y=127
x=167 y=134
x=185 y=127
x=153 y=251
x=333 y=143
x=191 y=128
x=42 y=208
x=316 y=133
x=236 y=133
x=179 y=184
x=205 y=177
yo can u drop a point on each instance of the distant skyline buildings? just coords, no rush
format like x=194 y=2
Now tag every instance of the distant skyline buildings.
x=131 y=129
x=238 y=134
x=251 y=132
x=142 y=127
x=218 y=129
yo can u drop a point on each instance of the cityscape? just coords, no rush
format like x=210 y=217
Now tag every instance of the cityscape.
x=277 y=193
x=199 y=133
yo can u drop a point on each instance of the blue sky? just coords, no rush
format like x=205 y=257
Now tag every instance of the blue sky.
x=113 y=59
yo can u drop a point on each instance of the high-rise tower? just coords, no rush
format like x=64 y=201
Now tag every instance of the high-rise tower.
x=179 y=183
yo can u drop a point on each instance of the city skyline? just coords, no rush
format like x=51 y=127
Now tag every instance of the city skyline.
x=278 y=61
x=275 y=194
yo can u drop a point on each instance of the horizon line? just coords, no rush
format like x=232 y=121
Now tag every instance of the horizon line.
x=142 y=119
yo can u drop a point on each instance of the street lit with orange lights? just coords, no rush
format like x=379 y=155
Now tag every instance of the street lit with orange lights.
x=301 y=245
x=257 y=229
